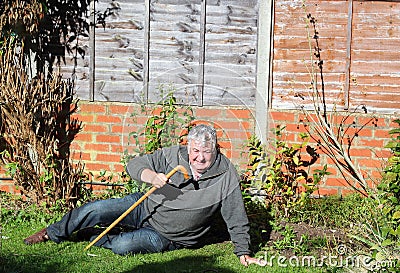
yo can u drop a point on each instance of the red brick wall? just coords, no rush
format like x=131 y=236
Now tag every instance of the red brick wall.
x=367 y=152
x=106 y=127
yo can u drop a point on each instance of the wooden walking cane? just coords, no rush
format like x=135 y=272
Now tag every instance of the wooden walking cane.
x=177 y=168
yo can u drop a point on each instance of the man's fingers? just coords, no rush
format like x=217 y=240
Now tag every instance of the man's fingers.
x=159 y=180
x=247 y=260
x=243 y=260
x=261 y=262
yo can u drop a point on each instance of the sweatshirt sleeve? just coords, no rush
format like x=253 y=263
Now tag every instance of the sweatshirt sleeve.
x=235 y=217
x=137 y=164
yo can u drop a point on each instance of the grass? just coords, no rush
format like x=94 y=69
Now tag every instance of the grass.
x=70 y=257
x=20 y=219
x=335 y=211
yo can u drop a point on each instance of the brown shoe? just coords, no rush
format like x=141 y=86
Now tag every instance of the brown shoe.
x=38 y=237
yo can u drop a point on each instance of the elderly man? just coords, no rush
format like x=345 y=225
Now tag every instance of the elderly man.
x=178 y=214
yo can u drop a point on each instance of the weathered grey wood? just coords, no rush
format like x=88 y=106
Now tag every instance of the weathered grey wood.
x=146 y=43
x=202 y=58
x=185 y=93
x=146 y=46
x=228 y=96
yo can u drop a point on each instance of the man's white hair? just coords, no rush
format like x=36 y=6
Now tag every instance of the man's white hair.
x=204 y=134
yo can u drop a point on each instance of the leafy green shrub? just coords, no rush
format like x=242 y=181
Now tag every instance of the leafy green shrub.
x=281 y=173
x=14 y=211
x=389 y=192
x=167 y=124
x=380 y=232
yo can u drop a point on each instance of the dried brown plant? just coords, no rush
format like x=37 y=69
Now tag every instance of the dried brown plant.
x=37 y=128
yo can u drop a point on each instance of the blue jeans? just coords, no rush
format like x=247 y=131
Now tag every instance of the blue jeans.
x=142 y=239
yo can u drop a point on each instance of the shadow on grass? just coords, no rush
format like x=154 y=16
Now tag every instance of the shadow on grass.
x=45 y=263
x=13 y=263
x=194 y=264
x=260 y=218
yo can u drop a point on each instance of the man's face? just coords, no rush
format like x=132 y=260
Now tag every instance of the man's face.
x=201 y=155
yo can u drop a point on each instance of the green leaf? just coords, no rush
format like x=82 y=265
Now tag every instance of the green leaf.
x=396 y=215
x=387 y=242
x=394 y=131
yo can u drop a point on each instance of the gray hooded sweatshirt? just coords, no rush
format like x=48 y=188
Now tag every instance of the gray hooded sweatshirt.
x=183 y=210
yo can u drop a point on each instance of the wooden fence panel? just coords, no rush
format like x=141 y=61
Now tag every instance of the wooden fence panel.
x=183 y=35
x=359 y=47
x=292 y=52
x=230 y=53
x=207 y=52
x=375 y=77
x=119 y=52
x=174 y=48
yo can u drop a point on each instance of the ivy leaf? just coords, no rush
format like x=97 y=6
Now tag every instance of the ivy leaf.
x=387 y=242
x=396 y=215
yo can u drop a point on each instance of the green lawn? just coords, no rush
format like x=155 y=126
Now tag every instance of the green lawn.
x=70 y=257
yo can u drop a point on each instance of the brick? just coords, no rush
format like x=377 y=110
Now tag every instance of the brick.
x=227 y=153
x=117 y=149
x=111 y=158
x=86 y=137
x=309 y=117
x=335 y=182
x=81 y=156
x=225 y=145
x=108 y=138
x=95 y=128
x=97 y=147
x=203 y=112
x=295 y=128
x=108 y=119
x=238 y=135
x=97 y=166
x=83 y=118
x=382 y=134
x=121 y=109
x=249 y=126
x=360 y=152
x=5 y=188
x=206 y=122
x=367 y=163
x=392 y=124
x=373 y=143
x=360 y=132
x=377 y=174
x=75 y=146
x=346 y=191
x=92 y=108
x=283 y=116
x=239 y=114
x=372 y=121
x=229 y=125
x=98 y=188
x=383 y=154
x=117 y=129
x=119 y=168
x=323 y=191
